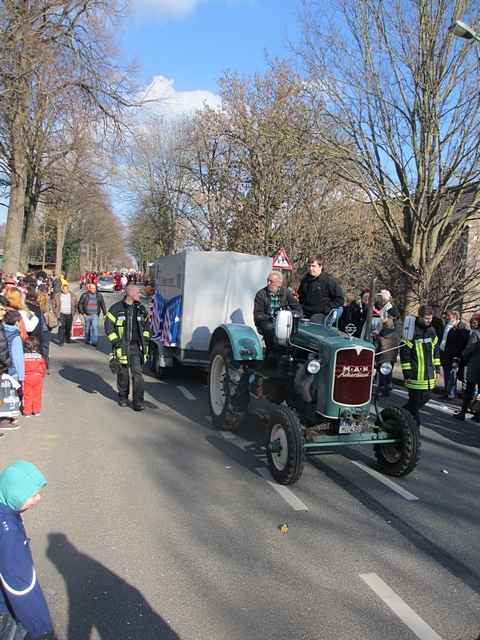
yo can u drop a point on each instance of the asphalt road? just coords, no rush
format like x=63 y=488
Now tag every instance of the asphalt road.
x=156 y=526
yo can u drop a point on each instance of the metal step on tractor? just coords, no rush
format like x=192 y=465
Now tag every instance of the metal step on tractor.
x=314 y=390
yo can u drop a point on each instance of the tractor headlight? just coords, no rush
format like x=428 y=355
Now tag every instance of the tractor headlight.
x=313 y=366
x=386 y=368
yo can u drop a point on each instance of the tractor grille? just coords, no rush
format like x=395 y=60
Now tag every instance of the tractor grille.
x=352 y=384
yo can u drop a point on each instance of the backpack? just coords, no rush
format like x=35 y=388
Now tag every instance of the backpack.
x=51 y=319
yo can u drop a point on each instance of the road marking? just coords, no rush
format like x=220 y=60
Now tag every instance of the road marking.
x=286 y=493
x=400 y=608
x=239 y=442
x=228 y=435
x=386 y=481
x=186 y=393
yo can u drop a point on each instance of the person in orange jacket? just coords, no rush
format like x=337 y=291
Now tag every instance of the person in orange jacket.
x=35 y=370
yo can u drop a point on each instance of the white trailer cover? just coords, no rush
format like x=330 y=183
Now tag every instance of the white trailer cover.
x=215 y=287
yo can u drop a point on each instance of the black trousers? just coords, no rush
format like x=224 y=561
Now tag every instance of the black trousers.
x=267 y=331
x=135 y=369
x=416 y=400
x=65 y=328
x=468 y=396
x=385 y=383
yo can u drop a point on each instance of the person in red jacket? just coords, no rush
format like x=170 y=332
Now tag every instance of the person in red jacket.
x=35 y=369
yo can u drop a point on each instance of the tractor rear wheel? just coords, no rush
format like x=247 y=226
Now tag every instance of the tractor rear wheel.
x=285 y=446
x=399 y=459
x=224 y=376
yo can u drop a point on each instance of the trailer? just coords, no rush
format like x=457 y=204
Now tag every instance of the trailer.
x=195 y=292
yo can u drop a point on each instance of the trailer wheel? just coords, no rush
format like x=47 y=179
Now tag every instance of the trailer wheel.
x=399 y=459
x=152 y=361
x=223 y=379
x=285 y=446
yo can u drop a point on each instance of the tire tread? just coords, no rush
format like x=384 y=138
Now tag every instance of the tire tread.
x=410 y=434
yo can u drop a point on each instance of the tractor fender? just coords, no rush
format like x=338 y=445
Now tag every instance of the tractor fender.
x=243 y=340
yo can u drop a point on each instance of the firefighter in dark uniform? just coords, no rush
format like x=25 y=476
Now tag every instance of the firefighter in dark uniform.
x=420 y=359
x=127 y=328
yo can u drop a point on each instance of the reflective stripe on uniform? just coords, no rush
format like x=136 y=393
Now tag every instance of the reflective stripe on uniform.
x=15 y=592
x=420 y=359
x=420 y=385
x=111 y=317
x=112 y=336
x=407 y=366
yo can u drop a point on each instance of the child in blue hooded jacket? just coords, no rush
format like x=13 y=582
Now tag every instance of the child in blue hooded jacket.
x=11 y=324
x=24 y=612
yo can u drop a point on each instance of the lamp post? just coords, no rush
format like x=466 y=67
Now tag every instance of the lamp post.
x=462 y=30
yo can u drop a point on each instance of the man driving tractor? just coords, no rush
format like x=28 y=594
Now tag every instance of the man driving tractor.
x=268 y=302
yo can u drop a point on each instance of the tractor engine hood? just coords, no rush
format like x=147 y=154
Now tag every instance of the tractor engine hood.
x=344 y=382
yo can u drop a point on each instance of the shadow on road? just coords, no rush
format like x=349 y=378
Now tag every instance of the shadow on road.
x=88 y=381
x=99 y=599
x=465 y=433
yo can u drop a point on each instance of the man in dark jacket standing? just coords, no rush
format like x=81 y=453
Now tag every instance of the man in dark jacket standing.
x=319 y=292
x=420 y=361
x=471 y=358
x=268 y=302
x=91 y=305
x=126 y=327
x=453 y=341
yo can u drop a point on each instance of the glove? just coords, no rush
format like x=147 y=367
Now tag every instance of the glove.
x=113 y=364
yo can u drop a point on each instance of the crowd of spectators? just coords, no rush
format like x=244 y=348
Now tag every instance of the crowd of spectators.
x=459 y=343
x=28 y=314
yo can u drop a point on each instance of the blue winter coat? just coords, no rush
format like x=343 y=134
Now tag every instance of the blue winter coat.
x=20 y=592
x=15 y=347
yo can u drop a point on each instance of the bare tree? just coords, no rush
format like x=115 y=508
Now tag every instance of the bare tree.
x=397 y=102
x=152 y=180
x=65 y=40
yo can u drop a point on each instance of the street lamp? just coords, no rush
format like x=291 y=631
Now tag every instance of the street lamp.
x=462 y=30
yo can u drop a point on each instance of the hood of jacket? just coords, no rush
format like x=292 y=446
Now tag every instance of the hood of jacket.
x=11 y=330
x=19 y=482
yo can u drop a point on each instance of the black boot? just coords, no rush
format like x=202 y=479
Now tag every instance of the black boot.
x=459 y=416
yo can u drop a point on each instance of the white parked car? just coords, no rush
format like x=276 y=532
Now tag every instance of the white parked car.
x=106 y=284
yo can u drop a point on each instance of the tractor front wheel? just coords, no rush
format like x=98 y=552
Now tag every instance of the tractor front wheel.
x=285 y=446
x=399 y=459
x=224 y=376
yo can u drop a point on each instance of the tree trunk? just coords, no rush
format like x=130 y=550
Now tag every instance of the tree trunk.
x=417 y=290
x=32 y=196
x=61 y=233
x=16 y=208
x=410 y=301
x=44 y=239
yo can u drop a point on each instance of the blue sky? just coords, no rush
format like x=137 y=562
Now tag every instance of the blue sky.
x=193 y=41
x=186 y=45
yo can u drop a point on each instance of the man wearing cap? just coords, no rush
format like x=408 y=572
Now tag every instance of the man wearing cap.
x=23 y=610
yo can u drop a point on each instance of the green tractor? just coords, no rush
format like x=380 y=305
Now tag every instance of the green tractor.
x=314 y=390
